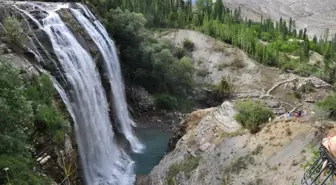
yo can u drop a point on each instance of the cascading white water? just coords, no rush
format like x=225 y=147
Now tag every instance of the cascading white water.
x=103 y=162
x=111 y=65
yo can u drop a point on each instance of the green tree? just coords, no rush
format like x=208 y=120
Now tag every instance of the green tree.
x=329 y=105
x=218 y=10
x=290 y=26
x=251 y=114
x=223 y=90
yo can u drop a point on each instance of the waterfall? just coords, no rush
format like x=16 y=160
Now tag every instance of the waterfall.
x=112 y=69
x=103 y=162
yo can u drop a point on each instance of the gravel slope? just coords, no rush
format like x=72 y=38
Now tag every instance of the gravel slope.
x=313 y=14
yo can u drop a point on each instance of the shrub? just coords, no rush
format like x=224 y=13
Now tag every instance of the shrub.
x=14 y=32
x=223 y=90
x=41 y=91
x=15 y=111
x=265 y=36
x=183 y=72
x=16 y=116
x=165 y=101
x=188 y=44
x=19 y=171
x=307 y=88
x=185 y=166
x=238 y=61
x=59 y=136
x=180 y=52
x=329 y=105
x=240 y=164
x=251 y=114
x=49 y=119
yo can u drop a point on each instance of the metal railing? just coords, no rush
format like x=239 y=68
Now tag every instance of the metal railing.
x=313 y=175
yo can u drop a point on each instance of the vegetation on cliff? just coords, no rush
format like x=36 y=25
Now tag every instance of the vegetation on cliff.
x=329 y=106
x=186 y=166
x=27 y=113
x=154 y=64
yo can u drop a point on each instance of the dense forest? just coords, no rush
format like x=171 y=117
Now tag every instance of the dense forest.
x=278 y=43
x=148 y=61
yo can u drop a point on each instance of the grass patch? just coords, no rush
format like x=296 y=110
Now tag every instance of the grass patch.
x=240 y=164
x=258 y=149
x=223 y=89
x=229 y=135
x=316 y=154
x=219 y=47
x=185 y=166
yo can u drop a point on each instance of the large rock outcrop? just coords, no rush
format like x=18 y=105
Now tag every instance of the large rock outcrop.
x=215 y=150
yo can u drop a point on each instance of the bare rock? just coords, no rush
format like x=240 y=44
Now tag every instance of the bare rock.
x=204 y=146
x=141 y=98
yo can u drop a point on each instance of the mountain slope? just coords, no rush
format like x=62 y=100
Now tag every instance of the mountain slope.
x=215 y=150
x=315 y=15
x=215 y=60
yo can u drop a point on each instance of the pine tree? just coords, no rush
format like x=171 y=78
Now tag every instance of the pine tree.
x=306 y=48
x=304 y=34
x=326 y=35
x=284 y=30
x=218 y=10
x=333 y=43
x=294 y=33
x=294 y=25
x=300 y=34
x=260 y=27
x=315 y=39
x=290 y=26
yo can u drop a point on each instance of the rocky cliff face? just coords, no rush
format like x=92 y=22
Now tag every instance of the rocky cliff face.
x=212 y=148
x=215 y=150
x=32 y=55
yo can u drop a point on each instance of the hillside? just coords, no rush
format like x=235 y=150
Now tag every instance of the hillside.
x=216 y=150
x=315 y=15
x=215 y=60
